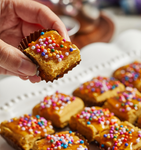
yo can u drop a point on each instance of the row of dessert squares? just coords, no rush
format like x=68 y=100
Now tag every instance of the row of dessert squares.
x=103 y=110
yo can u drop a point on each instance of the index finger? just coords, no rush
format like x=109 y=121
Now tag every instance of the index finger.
x=34 y=12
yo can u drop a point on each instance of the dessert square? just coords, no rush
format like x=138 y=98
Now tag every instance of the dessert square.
x=96 y=91
x=126 y=105
x=53 y=55
x=123 y=136
x=129 y=75
x=59 y=108
x=63 y=140
x=91 y=121
x=21 y=133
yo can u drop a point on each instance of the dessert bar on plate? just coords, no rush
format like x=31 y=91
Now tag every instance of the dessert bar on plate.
x=62 y=140
x=126 y=105
x=22 y=132
x=123 y=136
x=97 y=90
x=59 y=108
x=53 y=55
x=130 y=75
x=92 y=120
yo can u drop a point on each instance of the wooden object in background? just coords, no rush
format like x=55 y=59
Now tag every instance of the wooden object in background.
x=102 y=32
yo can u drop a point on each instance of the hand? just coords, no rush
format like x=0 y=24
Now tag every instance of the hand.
x=19 y=18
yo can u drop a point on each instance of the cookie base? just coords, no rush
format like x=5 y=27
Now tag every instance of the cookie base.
x=12 y=143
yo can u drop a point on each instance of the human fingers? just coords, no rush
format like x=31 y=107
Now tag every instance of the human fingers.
x=30 y=28
x=34 y=12
x=34 y=78
x=23 y=77
x=4 y=71
x=13 y=60
x=7 y=72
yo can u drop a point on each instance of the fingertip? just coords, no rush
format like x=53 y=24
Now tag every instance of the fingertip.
x=23 y=77
x=27 y=68
x=60 y=27
x=68 y=38
x=34 y=79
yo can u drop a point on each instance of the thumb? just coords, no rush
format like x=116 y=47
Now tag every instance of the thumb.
x=14 y=60
x=59 y=26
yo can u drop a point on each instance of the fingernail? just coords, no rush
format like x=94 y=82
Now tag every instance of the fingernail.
x=27 y=68
x=37 y=73
x=67 y=37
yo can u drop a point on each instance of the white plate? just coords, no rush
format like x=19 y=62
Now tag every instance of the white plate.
x=129 y=40
x=18 y=97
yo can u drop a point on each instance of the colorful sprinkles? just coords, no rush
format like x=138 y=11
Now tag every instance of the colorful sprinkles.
x=56 y=101
x=97 y=115
x=130 y=73
x=127 y=100
x=52 y=47
x=122 y=136
x=99 y=85
x=63 y=141
x=32 y=124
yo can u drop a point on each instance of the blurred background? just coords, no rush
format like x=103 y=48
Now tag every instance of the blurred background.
x=89 y=21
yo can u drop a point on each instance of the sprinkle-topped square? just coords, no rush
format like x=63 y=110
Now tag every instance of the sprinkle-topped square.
x=63 y=140
x=92 y=120
x=58 y=108
x=24 y=131
x=123 y=136
x=96 y=91
x=126 y=105
x=53 y=54
x=129 y=75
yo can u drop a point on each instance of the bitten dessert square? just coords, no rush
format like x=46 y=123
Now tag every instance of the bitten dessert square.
x=62 y=140
x=59 y=108
x=126 y=105
x=21 y=133
x=96 y=91
x=123 y=136
x=53 y=55
x=91 y=121
x=129 y=75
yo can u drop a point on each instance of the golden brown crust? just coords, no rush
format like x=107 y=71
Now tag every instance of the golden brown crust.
x=47 y=77
x=87 y=100
x=91 y=126
x=50 y=69
x=126 y=105
x=129 y=75
x=75 y=144
x=92 y=98
x=130 y=116
x=12 y=143
x=87 y=131
x=21 y=133
x=86 y=143
x=106 y=138
x=59 y=117
x=43 y=74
